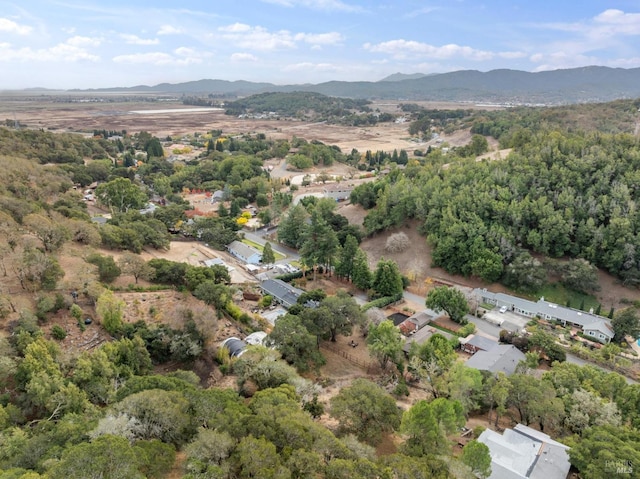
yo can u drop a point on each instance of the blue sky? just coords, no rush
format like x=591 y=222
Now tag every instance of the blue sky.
x=86 y=44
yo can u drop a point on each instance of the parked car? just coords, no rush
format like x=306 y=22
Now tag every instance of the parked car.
x=503 y=309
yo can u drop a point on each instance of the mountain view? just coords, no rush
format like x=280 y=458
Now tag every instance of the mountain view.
x=578 y=85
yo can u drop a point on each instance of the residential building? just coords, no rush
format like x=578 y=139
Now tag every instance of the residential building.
x=282 y=293
x=244 y=252
x=337 y=191
x=599 y=328
x=218 y=261
x=416 y=322
x=422 y=336
x=474 y=343
x=524 y=453
x=217 y=196
x=501 y=358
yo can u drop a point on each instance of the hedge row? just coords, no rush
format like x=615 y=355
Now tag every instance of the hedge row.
x=382 y=302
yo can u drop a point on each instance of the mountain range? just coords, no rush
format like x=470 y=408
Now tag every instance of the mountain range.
x=576 y=85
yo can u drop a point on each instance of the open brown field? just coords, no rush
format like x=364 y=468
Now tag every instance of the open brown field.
x=172 y=118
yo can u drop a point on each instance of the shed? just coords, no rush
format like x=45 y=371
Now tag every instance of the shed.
x=236 y=346
x=256 y=339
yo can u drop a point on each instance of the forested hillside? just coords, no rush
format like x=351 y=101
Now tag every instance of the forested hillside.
x=297 y=104
x=563 y=191
x=109 y=397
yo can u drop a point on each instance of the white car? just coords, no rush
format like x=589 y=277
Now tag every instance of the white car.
x=503 y=309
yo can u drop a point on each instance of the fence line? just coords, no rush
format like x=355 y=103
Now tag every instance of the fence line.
x=367 y=366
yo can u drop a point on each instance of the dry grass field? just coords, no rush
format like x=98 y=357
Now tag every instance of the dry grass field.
x=164 y=119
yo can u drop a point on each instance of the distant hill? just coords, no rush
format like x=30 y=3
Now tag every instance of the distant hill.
x=576 y=85
x=404 y=76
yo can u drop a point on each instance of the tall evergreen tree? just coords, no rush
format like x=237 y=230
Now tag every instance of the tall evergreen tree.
x=387 y=280
x=267 y=254
x=292 y=225
x=361 y=274
x=346 y=259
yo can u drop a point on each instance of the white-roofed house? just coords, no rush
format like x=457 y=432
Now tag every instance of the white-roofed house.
x=524 y=453
x=244 y=252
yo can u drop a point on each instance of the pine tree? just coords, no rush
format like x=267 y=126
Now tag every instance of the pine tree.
x=361 y=274
x=387 y=280
x=268 y=256
x=344 y=268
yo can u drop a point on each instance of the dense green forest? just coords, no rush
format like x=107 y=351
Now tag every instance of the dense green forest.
x=307 y=105
x=562 y=191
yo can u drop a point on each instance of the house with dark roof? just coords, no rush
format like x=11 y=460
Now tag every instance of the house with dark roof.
x=474 y=343
x=416 y=321
x=236 y=346
x=524 y=453
x=422 y=336
x=599 y=328
x=501 y=358
x=282 y=293
x=244 y=252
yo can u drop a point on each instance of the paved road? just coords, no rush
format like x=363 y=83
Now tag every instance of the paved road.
x=258 y=237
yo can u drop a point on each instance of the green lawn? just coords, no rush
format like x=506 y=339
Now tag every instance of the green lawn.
x=557 y=293
x=259 y=247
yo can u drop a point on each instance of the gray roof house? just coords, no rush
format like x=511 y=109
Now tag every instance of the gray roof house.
x=337 y=191
x=282 y=292
x=417 y=321
x=501 y=358
x=601 y=327
x=475 y=343
x=217 y=196
x=599 y=330
x=244 y=252
x=524 y=453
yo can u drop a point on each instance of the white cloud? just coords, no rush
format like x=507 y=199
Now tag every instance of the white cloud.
x=10 y=26
x=627 y=23
x=326 y=5
x=169 y=30
x=402 y=49
x=243 y=57
x=257 y=38
x=420 y=12
x=79 y=41
x=512 y=55
x=136 y=40
x=330 y=38
x=308 y=66
x=235 y=28
x=72 y=51
x=154 y=58
x=179 y=56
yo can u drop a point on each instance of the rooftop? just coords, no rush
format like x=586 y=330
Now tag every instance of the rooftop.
x=480 y=342
x=501 y=358
x=242 y=249
x=282 y=291
x=523 y=452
